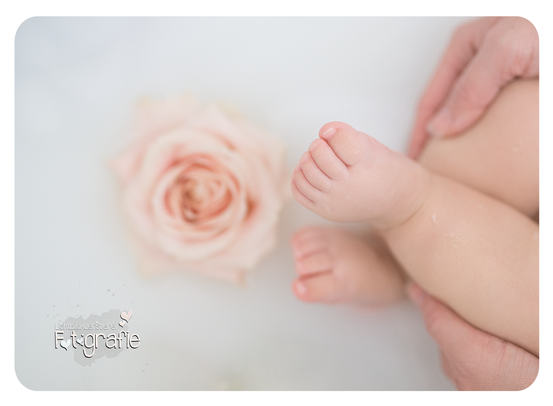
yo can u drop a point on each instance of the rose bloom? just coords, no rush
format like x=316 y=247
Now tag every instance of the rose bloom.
x=203 y=188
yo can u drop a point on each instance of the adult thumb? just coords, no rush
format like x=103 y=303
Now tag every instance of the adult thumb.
x=508 y=51
x=469 y=97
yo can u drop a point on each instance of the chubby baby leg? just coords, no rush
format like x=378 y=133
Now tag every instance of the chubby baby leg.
x=476 y=254
x=499 y=155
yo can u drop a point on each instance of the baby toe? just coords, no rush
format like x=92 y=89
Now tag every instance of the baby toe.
x=305 y=187
x=327 y=161
x=349 y=145
x=318 y=261
x=302 y=249
x=313 y=173
x=301 y=198
x=321 y=288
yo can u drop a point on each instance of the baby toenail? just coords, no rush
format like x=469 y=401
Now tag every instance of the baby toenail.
x=329 y=133
x=304 y=158
x=301 y=288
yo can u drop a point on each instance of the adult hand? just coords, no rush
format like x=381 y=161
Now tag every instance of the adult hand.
x=472 y=359
x=482 y=57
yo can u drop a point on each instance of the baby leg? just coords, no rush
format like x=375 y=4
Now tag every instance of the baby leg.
x=499 y=155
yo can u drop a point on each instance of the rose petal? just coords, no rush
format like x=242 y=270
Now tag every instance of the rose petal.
x=203 y=188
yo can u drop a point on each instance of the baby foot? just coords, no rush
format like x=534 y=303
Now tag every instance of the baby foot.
x=348 y=176
x=336 y=266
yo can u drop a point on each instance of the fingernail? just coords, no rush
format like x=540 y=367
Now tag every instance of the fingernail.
x=415 y=293
x=440 y=123
x=329 y=133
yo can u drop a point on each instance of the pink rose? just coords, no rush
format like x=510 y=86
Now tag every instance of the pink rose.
x=203 y=188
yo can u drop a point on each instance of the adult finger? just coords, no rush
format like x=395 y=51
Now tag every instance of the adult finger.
x=461 y=49
x=509 y=50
